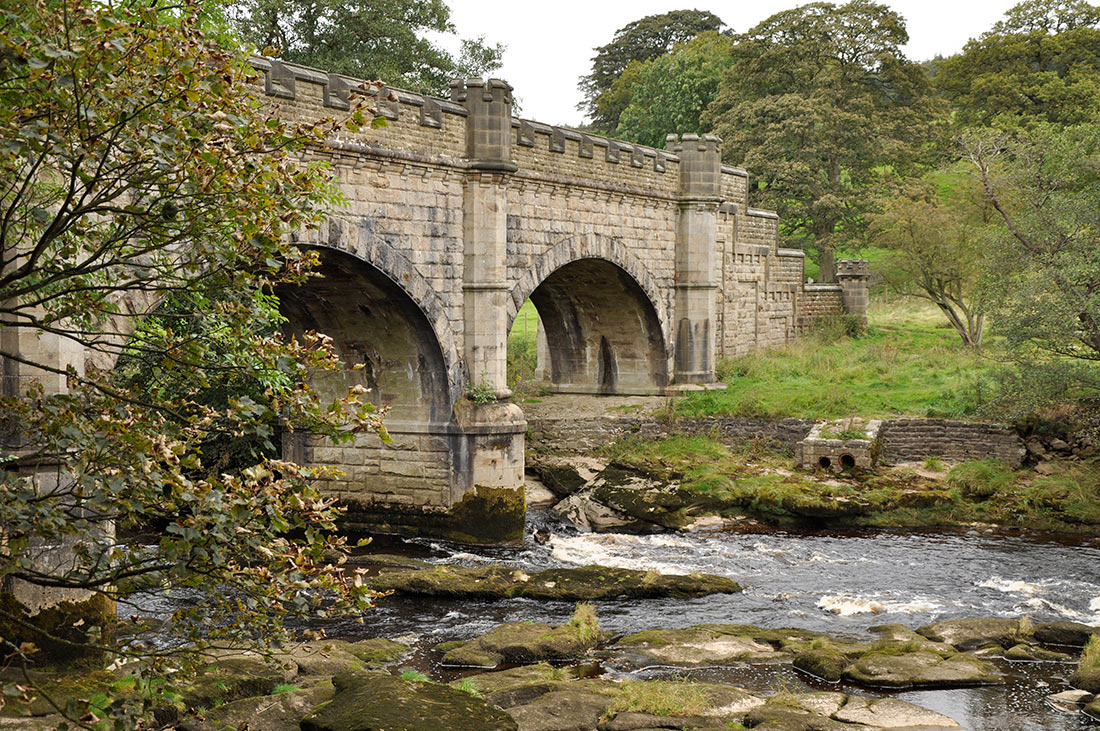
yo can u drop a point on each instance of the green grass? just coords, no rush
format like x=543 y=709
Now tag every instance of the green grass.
x=416 y=675
x=523 y=347
x=469 y=686
x=284 y=688
x=1090 y=656
x=585 y=623
x=982 y=478
x=660 y=698
x=908 y=364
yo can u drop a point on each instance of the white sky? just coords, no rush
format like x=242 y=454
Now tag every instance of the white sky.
x=550 y=43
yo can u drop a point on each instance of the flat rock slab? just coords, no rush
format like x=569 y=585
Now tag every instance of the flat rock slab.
x=279 y=712
x=378 y=702
x=563 y=710
x=921 y=669
x=887 y=713
x=974 y=634
x=523 y=642
x=712 y=644
x=1073 y=634
x=584 y=583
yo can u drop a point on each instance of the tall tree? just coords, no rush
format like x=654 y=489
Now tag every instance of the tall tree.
x=1041 y=63
x=938 y=233
x=136 y=165
x=820 y=103
x=371 y=39
x=1045 y=278
x=641 y=40
x=673 y=90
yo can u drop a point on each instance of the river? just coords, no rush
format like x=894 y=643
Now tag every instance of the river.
x=840 y=583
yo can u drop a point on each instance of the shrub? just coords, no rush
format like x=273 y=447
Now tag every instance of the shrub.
x=981 y=478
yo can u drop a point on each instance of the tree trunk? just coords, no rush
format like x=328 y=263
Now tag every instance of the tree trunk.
x=827 y=263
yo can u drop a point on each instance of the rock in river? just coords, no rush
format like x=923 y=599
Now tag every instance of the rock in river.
x=585 y=583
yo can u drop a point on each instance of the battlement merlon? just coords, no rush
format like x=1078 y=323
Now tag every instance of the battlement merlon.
x=700 y=165
x=488 y=122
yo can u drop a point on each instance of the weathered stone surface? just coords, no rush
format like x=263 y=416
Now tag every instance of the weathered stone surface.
x=376 y=702
x=576 y=584
x=564 y=475
x=973 y=634
x=712 y=644
x=1086 y=679
x=888 y=713
x=563 y=710
x=1073 y=634
x=1093 y=709
x=921 y=669
x=523 y=642
x=827 y=664
x=1030 y=653
x=1070 y=701
x=232 y=678
x=279 y=712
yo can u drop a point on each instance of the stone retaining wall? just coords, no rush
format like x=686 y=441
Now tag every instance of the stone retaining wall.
x=903 y=440
x=906 y=440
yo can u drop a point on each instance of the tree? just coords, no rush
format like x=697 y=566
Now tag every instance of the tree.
x=1041 y=63
x=821 y=104
x=673 y=91
x=1044 y=185
x=938 y=244
x=137 y=167
x=641 y=40
x=370 y=39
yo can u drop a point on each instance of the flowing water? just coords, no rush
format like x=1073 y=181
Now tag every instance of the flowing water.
x=840 y=583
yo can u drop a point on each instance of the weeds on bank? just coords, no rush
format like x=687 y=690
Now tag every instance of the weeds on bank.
x=659 y=698
x=1090 y=656
x=585 y=622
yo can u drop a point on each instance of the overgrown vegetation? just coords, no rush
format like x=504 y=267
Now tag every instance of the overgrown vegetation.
x=1090 y=656
x=523 y=355
x=660 y=698
x=910 y=362
x=757 y=482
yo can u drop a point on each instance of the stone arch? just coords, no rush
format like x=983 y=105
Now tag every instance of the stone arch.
x=399 y=269
x=591 y=246
x=604 y=322
x=380 y=314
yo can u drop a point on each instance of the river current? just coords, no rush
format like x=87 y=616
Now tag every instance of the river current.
x=840 y=583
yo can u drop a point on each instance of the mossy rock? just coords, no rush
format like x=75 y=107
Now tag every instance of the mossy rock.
x=374 y=702
x=1086 y=679
x=63 y=688
x=780 y=717
x=1093 y=709
x=524 y=642
x=574 y=584
x=921 y=669
x=230 y=679
x=825 y=663
x=562 y=710
x=709 y=644
x=279 y=712
x=69 y=634
x=974 y=634
x=1030 y=653
x=1071 y=634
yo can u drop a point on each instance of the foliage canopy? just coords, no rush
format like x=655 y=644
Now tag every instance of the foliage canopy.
x=138 y=167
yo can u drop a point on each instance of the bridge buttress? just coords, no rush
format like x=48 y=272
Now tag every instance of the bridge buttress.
x=695 y=282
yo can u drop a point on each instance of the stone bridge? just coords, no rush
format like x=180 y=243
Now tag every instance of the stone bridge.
x=645 y=266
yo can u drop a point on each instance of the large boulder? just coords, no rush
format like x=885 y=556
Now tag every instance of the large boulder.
x=974 y=634
x=583 y=583
x=920 y=669
x=712 y=644
x=564 y=475
x=1073 y=634
x=366 y=701
x=1086 y=679
x=525 y=642
x=563 y=710
x=889 y=713
x=279 y=712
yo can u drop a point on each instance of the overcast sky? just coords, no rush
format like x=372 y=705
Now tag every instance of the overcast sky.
x=550 y=42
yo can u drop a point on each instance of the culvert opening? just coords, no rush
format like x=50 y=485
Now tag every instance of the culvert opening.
x=824 y=463
x=847 y=461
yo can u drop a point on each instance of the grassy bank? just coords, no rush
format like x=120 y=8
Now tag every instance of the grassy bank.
x=760 y=484
x=908 y=363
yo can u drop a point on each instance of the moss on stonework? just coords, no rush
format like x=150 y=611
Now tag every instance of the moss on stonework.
x=487 y=515
x=68 y=634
